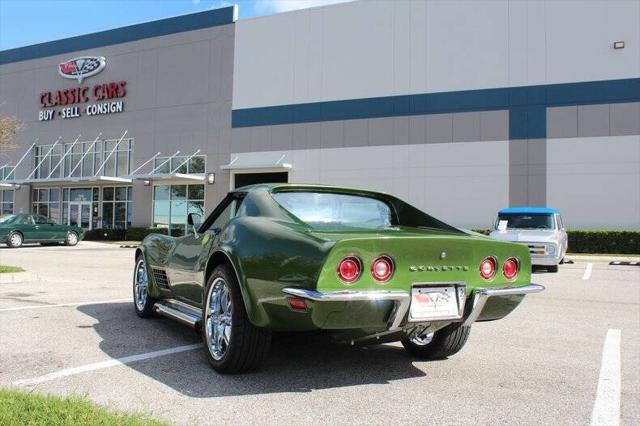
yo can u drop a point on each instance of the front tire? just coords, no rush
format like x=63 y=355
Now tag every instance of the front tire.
x=142 y=301
x=15 y=240
x=71 y=239
x=441 y=344
x=234 y=345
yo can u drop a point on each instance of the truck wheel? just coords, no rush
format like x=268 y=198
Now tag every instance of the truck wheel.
x=443 y=343
x=234 y=345
x=142 y=302
x=553 y=268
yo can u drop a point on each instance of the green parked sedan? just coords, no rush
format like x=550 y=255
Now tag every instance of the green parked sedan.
x=364 y=266
x=16 y=229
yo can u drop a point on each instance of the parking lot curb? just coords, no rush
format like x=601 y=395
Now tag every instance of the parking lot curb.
x=602 y=259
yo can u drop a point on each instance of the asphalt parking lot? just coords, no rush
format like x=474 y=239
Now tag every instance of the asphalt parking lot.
x=68 y=327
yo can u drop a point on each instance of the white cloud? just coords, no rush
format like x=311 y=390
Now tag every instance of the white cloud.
x=276 y=6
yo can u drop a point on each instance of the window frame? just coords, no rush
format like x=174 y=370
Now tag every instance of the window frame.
x=220 y=208
x=128 y=201
x=4 y=203
x=170 y=200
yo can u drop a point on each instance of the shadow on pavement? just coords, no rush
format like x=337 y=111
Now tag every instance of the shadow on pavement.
x=299 y=362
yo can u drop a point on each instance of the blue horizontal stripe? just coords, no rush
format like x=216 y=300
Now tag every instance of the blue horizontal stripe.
x=527 y=105
x=178 y=24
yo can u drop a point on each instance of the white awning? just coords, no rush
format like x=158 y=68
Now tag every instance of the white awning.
x=241 y=166
x=67 y=176
x=79 y=179
x=250 y=162
x=155 y=174
x=171 y=176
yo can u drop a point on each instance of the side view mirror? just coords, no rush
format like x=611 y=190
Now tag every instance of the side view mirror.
x=194 y=220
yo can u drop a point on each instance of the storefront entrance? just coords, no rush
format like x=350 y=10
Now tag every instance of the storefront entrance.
x=80 y=214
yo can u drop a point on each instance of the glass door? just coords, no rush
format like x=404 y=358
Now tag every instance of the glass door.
x=80 y=214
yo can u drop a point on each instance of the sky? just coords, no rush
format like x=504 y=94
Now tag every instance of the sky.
x=26 y=22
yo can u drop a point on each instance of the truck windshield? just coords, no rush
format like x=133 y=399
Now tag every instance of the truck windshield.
x=332 y=211
x=527 y=221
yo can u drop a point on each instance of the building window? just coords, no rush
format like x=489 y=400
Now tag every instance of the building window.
x=172 y=203
x=84 y=159
x=195 y=165
x=46 y=202
x=117 y=208
x=6 y=172
x=6 y=202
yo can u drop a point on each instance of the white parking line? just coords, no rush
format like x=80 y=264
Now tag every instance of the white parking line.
x=606 y=409
x=97 y=302
x=587 y=271
x=105 y=364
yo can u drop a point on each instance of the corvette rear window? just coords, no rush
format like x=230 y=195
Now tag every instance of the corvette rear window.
x=326 y=210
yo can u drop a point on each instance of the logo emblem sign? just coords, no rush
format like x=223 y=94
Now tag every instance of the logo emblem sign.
x=82 y=67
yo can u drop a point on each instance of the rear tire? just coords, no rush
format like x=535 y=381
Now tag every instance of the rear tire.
x=445 y=342
x=553 y=268
x=233 y=344
x=71 y=239
x=15 y=240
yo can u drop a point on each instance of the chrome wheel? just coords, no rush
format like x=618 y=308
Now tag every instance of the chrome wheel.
x=72 y=239
x=15 y=240
x=218 y=318
x=140 y=285
x=423 y=340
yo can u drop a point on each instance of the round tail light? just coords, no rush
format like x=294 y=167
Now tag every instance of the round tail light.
x=488 y=268
x=510 y=268
x=349 y=269
x=382 y=268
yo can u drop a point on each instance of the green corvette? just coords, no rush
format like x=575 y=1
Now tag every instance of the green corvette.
x=16 y=229
x=364 y=266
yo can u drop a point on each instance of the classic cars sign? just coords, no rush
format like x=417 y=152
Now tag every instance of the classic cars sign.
x=101 y=98
x=84 y=66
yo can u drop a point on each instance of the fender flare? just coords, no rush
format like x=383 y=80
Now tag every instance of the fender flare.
x=249 y=304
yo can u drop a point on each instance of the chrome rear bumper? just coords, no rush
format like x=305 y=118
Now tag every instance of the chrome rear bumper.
x=402 y=300
x=480 y=297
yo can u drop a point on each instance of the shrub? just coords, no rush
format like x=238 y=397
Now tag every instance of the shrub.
x=131 y=234
x=138 y=234
x=104 y=235
x=606 y=242
x=618 y=242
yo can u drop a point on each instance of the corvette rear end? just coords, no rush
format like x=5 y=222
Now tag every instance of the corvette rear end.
x=384 y=286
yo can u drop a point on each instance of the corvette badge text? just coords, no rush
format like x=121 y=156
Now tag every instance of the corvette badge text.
x=102 y=98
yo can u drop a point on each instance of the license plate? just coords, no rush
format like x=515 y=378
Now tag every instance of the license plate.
x=434 y=303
